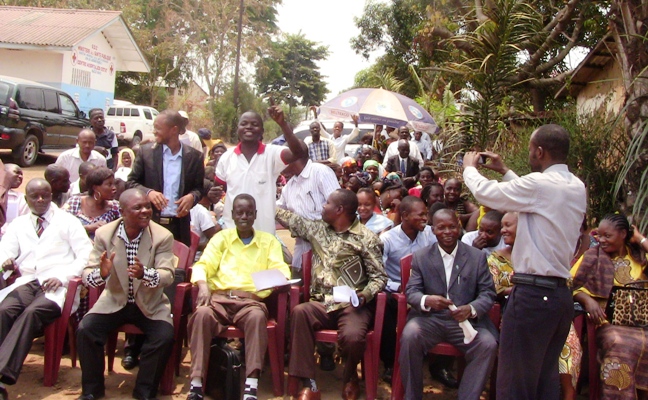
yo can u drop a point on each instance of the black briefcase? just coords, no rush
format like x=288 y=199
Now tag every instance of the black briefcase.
x=223 y=372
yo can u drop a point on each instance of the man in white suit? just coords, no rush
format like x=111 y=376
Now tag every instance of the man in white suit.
x=48 y=247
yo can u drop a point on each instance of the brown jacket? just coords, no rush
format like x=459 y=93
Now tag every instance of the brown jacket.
x=155 y=251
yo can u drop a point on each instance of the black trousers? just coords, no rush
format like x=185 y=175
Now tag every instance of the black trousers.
x=24 y=314
x=91 y=339
x=180 y=228
x=388 y=341
x=535 y=326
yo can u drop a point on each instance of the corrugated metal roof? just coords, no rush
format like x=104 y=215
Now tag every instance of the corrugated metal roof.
x=50 y=26
x=592 y=64
x=33 y=27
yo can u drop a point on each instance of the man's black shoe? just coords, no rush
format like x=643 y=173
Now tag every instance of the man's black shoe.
x=444 y=376
x=387 y=375
x=129 y=362
x=195 y=396
x=3 y=394
x=89 y=397
x=138 y=396
x=327 y=363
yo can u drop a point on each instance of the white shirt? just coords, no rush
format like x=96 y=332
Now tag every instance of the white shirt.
x=305 y=195
x=61 y=252
x=424 y=147
x=340 y=142
x=192 y=139
x=201 y=220
x=16 y=206
x=469 y=237
x=551 y=206
x=71 y=160
x=392 y=150
x=448 y=264
x=122 y=173
x=257 y=178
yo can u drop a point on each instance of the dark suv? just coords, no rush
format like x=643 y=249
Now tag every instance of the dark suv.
x=35 y=116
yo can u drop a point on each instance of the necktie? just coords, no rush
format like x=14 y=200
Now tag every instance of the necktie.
x=403 y=169
x=39 y=226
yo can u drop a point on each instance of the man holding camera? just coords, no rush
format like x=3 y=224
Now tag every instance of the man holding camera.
x=551 y=203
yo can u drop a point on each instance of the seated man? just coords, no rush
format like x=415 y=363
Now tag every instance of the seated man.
x=488 y=237
x=412 y=234
x=227 y=295
x=59 y=180
x=345 y=252
x=133 y=257
x=49 y=247
x=402 y=163
x=449 y=273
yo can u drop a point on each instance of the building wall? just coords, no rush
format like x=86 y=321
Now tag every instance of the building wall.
x=88 y=73
x=38 y=66
x=605 y=91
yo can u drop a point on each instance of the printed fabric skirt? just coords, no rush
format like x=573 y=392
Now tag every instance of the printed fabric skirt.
x=623 y=356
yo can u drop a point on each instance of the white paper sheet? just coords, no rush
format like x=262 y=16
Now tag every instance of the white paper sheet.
x=7 y=274
x=344 y=294
x=268 y=279
x=467 y=328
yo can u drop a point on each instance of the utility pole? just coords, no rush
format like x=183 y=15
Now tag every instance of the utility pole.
x=235 y=89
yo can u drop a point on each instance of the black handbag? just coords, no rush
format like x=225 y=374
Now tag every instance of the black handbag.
x=223 y=372
x=628 y=305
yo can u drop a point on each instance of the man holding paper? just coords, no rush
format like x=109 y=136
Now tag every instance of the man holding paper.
x=448 y=274
x=227 y=294
x=347 y=254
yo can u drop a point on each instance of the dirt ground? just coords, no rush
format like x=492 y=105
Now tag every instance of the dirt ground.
x=119 y=383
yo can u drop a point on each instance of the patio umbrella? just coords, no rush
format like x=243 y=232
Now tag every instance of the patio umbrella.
x=379 y=106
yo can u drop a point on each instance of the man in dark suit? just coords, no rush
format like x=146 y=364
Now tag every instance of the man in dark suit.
x=402 y=163
x=170 y=174
x=449 y=272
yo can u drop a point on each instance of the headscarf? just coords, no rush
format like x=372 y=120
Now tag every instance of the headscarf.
x=347 y=162
x=370 y=163
x=121 y=155
x=363 y=177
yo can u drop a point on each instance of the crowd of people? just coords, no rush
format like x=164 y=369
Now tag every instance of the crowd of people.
x=110 y=216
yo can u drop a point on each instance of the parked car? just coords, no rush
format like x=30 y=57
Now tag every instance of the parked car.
x=131 y=123
x=34 y=116
x=302 y=130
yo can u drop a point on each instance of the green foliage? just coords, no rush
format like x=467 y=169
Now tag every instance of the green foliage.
x=225 y=116
x=595 y=154
x=634 y=169
x=289 y=72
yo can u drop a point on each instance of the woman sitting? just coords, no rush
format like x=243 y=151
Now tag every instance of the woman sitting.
x=454 y=200
x=501 y=267
x=373 y=168
x=425 y=177
x=377 y=223
x=97 y=207
x=358 y=181
x=619 y=259
x=391 y=193
x=124 y=164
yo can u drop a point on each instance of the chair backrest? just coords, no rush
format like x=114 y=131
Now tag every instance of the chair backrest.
x=181 y=251
x=193 y=249
x=406 y=271
x=307 y=268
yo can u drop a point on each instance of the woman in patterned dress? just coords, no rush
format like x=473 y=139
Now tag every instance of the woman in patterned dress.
x=501 y=267
x=619 y=259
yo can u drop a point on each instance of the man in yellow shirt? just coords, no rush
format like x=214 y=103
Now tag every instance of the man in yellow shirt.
x=227 y=295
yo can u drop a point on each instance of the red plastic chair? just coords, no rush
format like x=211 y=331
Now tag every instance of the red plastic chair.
x=581 y=322
x=277 y=304
x=55 y=332
x=371 y=359
x=177 y=308
x=398 y=391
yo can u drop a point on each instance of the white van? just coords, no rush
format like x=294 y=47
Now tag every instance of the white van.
x=131 y=123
